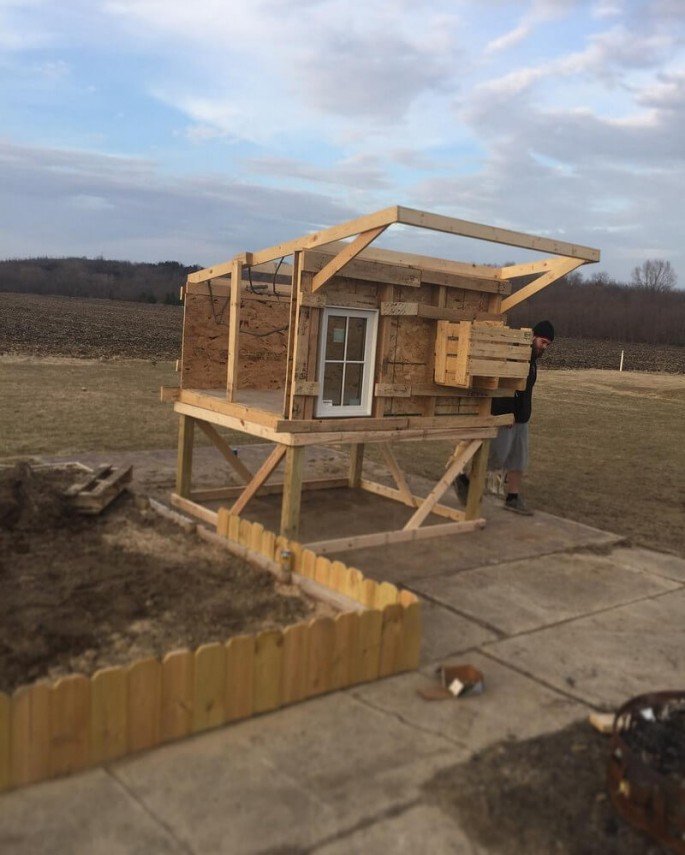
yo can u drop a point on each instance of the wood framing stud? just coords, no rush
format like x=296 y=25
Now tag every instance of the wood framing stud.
x=356 y=464
x=479 y=468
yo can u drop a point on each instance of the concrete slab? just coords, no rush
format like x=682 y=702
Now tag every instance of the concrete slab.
x=421 y=828
x=89 y=814
x=518 y=596
x=445 y=633
x=606 y=659
x=288 y=779
x=649 y=561
x=511 y=707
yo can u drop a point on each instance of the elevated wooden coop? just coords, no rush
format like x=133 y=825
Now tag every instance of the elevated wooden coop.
x=378 y=346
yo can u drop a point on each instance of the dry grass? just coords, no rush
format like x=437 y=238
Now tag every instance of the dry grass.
x=607 y=450
x=62 y=405
x=606 y=447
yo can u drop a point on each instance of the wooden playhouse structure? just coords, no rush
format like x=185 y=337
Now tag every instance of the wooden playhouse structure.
x=377 y=346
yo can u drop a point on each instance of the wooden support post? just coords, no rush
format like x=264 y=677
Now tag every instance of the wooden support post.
x=233 y=330
x=356 y=464
x=292 y=491
x=479 y=468
x=184 y=460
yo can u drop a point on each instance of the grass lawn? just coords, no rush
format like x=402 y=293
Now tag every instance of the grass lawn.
x=607 y=448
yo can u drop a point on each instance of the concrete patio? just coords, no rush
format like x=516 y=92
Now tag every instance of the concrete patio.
x=562 y=619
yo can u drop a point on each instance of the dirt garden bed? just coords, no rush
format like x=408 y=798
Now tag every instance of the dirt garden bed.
x=78 y=593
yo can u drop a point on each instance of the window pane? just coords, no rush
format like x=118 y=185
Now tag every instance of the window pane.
x=356 y=336
x=335 y=337
x=352 y=395
x=332 y=383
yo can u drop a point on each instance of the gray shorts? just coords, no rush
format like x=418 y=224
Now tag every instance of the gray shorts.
x=509 y=449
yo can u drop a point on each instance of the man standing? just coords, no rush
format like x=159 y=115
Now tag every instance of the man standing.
x=509 y=449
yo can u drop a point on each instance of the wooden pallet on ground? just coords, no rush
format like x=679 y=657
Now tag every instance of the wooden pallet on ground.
x=99 y=489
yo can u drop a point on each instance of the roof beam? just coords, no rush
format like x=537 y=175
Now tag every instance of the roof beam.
x=450 y=225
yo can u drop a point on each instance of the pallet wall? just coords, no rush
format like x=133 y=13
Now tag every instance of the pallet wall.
x=51 y=729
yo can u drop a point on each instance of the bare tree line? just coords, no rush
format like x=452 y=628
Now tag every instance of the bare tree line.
x=647 y=309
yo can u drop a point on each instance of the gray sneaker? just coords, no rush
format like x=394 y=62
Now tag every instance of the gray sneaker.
x=518 y=506
x=461 y=487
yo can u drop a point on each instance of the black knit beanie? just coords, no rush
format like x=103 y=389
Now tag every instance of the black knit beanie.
x=544 y=329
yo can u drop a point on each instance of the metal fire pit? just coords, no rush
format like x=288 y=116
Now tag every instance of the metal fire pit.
x=640 y=793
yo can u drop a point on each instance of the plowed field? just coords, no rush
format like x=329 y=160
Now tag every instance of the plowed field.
x=37 y=325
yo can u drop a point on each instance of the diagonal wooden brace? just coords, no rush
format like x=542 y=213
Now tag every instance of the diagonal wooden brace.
x=398 y=475
x=260 y=477
x=350 y=251
x=226 y=450
x=463 y=453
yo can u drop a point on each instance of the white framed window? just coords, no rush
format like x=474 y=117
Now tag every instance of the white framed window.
x=347 y=356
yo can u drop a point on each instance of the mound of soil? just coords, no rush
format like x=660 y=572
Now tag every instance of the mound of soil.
x=78 y=592
x=546 y=795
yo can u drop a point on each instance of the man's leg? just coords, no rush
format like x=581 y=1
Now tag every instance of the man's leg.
x=517 y=462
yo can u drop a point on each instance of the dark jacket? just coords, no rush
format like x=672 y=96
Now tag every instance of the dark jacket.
x=521 y=405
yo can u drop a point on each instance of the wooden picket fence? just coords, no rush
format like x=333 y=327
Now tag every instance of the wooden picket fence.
x=51 y=729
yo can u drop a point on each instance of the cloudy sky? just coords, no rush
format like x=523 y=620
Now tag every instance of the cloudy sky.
x=166 y=129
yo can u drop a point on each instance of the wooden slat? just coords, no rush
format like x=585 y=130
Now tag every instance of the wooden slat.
x=410 y=647
x=233 y=330
x=178 y=681
x=108 y=712
x=268 y=660
x=391 y=640
x=5 y=756
x=479 y=468
x=260 y=477
x=438 y=313
x=353 y=584
x=240 y=654
x=345 y=255
x=492 y=368
x=69 y=707
x=386 y=595
x=322 y=571
x=209 y=687
x=321 y=647
x=413 y=502
x=370 y=626
x=215 y=493
x=345 y=650
x=30 y=738
x=295 y=680
x=144 y=704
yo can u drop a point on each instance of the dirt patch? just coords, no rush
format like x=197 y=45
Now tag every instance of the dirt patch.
x=78 y=593
x=542 y=795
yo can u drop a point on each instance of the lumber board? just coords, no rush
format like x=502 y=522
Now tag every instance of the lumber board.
x=209 y=686
x=464 y=228
x=233 y=330
x=229 y=455
x=211 y=494
x=178 y=684
x=184 y=458
x=321 y=650
x=356 y=464
x=69 y=714
x=30 y=736
x=479 y=468
x=292 y=492
x=366 y=270
x=144 y=704
x=239 y=682
x=438 y=313
x=268 y=657
x=295 y=677
x=169 y=394
x=108 y=710
x=385 y=217
x=454 y=466
x=259 y=478
x=412 y=501
x=345 y=255
x=385 y=538
x=391 y=639
x=561 y=268
x=193 y=508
